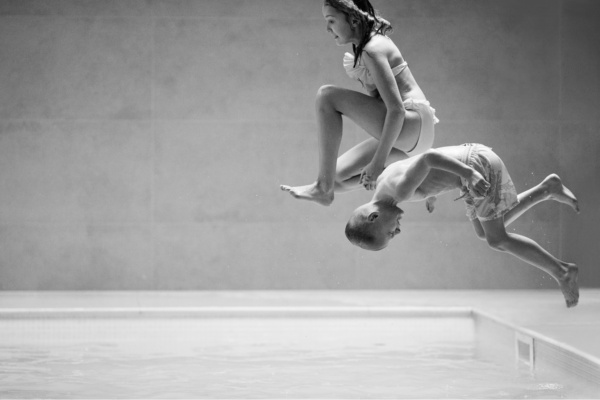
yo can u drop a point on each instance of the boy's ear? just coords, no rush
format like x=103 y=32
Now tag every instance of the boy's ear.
x=373 y=216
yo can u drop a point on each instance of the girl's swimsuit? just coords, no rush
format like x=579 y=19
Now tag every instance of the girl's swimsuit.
x=422 y=107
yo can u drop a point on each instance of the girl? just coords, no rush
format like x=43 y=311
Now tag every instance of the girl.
x=394 y=111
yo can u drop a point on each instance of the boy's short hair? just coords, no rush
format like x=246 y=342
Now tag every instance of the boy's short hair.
x=359 y=235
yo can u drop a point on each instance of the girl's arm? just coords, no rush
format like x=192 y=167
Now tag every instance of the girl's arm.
x=377 y=63
x=374 y=93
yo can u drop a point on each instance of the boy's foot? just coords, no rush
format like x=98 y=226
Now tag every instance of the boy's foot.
x=559 y=192
x=310 y=192
x=569 y=287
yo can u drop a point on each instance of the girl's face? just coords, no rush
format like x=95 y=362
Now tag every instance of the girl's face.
x=339 y=27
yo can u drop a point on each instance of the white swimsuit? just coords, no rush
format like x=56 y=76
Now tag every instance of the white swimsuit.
x=422 y=107
x=362 y=74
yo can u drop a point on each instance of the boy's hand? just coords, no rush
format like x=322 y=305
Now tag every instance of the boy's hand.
x=479 y=186
x=430 y=203
x=369 y=175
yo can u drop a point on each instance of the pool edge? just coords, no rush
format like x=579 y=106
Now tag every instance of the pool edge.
x=548 y=351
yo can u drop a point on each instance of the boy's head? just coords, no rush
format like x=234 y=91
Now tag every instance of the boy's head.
x=373 y=225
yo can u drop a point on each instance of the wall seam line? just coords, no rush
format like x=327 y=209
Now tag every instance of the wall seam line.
x=153 y=148
x=560 y=125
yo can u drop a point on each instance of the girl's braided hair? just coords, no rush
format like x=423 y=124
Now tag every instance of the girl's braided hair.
x=368 y=20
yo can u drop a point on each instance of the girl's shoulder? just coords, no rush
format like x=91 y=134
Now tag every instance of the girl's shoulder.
x=379 y=43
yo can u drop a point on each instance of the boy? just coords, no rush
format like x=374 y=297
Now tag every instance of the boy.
x=490 y=196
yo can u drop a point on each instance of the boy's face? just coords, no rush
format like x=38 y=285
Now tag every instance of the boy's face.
x=387 y=224
x=383 y=222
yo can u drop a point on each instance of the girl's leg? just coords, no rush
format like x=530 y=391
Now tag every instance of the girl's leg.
x=351 y=163
x=368 y=113
x=532 y=253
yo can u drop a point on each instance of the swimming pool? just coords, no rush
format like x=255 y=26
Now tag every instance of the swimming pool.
x=239 y=352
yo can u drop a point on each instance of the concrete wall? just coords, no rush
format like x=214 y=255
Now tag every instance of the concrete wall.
x=142 y=142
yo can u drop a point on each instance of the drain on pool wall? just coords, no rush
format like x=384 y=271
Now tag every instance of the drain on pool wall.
x=524 y=350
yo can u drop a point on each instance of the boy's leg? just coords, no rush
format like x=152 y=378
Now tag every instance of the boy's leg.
x=551 y=188
x=531 y=252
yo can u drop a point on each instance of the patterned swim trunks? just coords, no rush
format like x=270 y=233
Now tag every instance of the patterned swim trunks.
x=502 y=195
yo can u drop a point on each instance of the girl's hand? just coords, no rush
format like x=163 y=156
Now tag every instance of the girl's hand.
x=479 y=186
x=369 y=175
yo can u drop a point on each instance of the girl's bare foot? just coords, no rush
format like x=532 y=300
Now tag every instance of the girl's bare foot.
x=568 y=285
x=310 y=192
x=557 y=191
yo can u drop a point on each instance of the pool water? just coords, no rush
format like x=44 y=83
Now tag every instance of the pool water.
x=259 y=358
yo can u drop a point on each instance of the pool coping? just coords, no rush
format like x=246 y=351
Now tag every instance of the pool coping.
x=230 y=312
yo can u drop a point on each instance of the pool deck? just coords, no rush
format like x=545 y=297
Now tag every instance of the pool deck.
x=540 y=311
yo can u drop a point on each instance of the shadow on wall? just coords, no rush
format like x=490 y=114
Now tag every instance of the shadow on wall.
x=142 y=143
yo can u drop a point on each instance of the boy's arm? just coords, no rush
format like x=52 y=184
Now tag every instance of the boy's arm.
x=477 y=182
x=417 y=172
x=412 y=177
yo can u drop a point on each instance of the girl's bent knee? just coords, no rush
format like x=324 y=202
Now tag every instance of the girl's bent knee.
x=325 y=98
x=326 y=92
